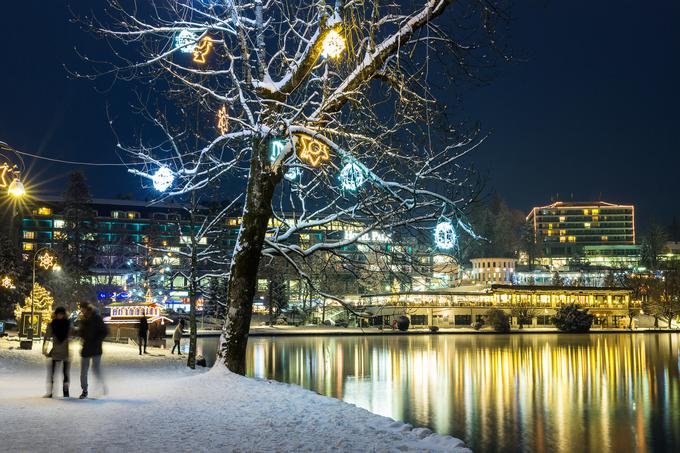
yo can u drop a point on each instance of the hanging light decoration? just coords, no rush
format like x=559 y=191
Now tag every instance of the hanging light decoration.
x=223 y=120
x=162 y=179
x=16 y=188
x=4 y=169
x=445 y=235
x=352 y=176
x=6 y=282
x=313 y=150
x=46 y=260
x=276 y=147
x=185 y=41
x=333 y=45
x=202 y=49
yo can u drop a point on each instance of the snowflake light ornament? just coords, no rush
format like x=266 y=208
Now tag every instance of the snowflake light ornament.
x=46 y=261
x=445 y=237
x=185 y=41
x=333 y=45
x=313 y=150
x=352 y=177
x=6 y=282
x=162 y=179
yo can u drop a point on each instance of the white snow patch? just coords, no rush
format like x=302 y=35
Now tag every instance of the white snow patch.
x=155 y=403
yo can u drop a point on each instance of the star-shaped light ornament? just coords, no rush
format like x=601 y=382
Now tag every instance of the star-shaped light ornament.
x=312 y=150
x=223 y=120
x=46 y=260
x=6 y=282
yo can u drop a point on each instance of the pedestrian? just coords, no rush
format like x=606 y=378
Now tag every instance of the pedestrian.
x=142 y=333
x=92 y=331
x=177 y=337
x=57 y=332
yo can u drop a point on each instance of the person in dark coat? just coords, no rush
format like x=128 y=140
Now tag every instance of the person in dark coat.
x=92 y=331
x=177 y=337
x=142 y=333
x=57 y=332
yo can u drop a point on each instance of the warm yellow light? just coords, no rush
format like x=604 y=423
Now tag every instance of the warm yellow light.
x=202 y=49
x=4 y=168
x=313 y=150
x=16 y=189
x=223 y=120
x=46 y=260
x=333 y=45
x=6 y=282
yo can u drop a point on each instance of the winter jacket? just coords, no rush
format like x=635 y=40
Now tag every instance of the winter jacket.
x=92 y=330
x=58 y=331
x=143 y=327
x=177 y=334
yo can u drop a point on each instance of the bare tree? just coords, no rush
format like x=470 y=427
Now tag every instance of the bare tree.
x=321 y=112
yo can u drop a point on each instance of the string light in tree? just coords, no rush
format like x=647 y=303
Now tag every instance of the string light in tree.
x=313 y=150
x=333 y=45
x=162 y=179
x=445 y=237
x=352 y=176
x=42 y=305
x=202 y=49
x=46 y=260
x=4 y=168
x=185 y=41
x=223 y=120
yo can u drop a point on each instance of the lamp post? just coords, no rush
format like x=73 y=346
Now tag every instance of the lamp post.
x=47 y=261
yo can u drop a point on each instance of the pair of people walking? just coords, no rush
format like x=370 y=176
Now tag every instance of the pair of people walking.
x=92 y=331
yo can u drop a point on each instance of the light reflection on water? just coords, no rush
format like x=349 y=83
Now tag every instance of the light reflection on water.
x=600 y=392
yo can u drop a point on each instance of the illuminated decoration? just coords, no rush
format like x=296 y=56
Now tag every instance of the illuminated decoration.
x=162 y=179
x=43 y=303
x=293 y=174
x=333 y=45
x=16 y=189
x=202 y=49
x=223 y=120
x=313 y=150
x=444 y=235
x=276 y=147
x=352 y=176
x=6 y=282
x=4 y=168
x=46 y=260
x=185 y=41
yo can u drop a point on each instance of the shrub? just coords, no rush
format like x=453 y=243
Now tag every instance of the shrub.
x=434 y=329
x=402 y=323
x=498 y=320
x=571 y=318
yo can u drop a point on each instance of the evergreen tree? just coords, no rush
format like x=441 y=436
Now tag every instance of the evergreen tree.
x=79 y=245
x=13 y=273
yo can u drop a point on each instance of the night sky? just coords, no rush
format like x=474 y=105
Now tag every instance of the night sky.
x=590 y=106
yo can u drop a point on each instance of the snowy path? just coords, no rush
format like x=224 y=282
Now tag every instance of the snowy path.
x=155 y=403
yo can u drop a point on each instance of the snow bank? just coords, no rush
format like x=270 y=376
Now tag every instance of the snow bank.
x=156 y=403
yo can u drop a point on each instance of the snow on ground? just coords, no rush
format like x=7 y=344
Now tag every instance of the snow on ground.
x=155 y=403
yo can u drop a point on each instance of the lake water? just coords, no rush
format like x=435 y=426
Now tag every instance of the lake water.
x=541 y=392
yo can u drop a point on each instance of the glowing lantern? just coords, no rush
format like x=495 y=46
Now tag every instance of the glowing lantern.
x=313 y=150
x=223 y=120
x=351 y=176
x=444 y=235
x=202 y=49
x=16 y=189
x=185 y=41
x=162 y=179
x=333 y=45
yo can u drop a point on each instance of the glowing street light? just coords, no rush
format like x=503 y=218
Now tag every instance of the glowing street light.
x=16 y=188
x=333 y=45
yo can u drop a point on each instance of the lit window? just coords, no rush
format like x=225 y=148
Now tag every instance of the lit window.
x=132 y=215
x=59 y=224
x=595 y=211
x=586 y=225
x=586 y=211
x=563 y=239
x=29 y=234
x=605 y=238
x=44 y=211
x=571 y=238
x=28 y=246
x=562 y=218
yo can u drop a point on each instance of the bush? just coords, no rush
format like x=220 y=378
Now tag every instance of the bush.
x=498 y=320
x=434 y=329
x=571 y=318
x=402 y=323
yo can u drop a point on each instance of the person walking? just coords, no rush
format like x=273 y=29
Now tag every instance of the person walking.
x=57 y=332
x=142 y=333
x=92 y=331
x=177 y=337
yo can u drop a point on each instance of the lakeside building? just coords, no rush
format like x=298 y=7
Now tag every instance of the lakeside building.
x=463 y=306
x=598 y=233
x=492 y=270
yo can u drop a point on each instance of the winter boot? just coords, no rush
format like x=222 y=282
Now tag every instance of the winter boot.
x=66 y=394
x=83 y=395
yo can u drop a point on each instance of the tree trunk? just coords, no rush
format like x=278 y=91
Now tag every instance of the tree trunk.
x=193 y=334
x=246 y=259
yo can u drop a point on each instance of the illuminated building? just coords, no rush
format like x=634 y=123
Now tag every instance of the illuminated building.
x=463 y=306
x=600 y=233
x=492 y=270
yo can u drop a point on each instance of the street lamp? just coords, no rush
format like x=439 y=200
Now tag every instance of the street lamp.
x=47 y=261
x=16 y=188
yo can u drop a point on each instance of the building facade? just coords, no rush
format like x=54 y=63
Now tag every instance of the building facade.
x=492 y=270
x=600 y=233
